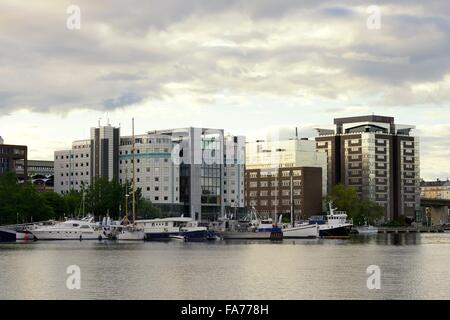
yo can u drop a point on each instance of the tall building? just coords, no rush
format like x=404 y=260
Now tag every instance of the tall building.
x=73 y=167
x=156 y=174
x=105 y=142
x=377 y=157
x=88 y=159
x=202 y=155
x=183 y=171
x=270 y=166
x=234 y=174
x=9 y=155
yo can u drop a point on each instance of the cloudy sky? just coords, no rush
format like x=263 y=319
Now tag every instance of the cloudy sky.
x=246 y=66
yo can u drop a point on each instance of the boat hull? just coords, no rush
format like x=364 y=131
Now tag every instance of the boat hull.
x=251 y=235
x=301 y=232
x=63 y=235
x=24 y=236
x=367 y=231
x=131 y=236
x=156 y=236
x=7 y=235
x=338 y=232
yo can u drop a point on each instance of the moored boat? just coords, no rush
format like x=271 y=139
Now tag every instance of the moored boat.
x=367 y=230
x=301 y=231
x=165 y=228
x=334 y=226
x=84 y=229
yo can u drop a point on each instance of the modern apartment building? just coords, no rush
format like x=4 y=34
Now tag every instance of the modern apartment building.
x=377 y=157
x=269 y=167
x=9 y=155
x=73 y=167
x=186 y=170
x=156 y=174
x=203 y=156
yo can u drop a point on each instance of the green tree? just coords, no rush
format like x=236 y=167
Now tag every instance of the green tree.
x=20 y=202
x=147 y=210
x=72 y=203
x=56 y=202
x=360 y=210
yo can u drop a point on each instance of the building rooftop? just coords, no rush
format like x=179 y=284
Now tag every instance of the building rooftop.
x=437 y=183
x=371 y=118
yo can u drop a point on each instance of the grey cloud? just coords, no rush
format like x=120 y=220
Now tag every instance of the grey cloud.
x=124 y=100
x=46 y=67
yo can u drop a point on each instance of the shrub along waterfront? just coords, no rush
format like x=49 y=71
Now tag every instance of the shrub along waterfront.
x=22 y=203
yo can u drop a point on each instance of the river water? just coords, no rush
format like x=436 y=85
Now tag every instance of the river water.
x=412 y=266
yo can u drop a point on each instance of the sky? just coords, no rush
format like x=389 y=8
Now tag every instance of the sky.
x=249 y=67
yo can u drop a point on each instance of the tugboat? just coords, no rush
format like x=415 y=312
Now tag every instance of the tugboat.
x=335 y=226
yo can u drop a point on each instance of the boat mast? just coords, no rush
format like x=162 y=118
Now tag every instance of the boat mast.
x=134 y=183
x=292 y=200
x=125 y=219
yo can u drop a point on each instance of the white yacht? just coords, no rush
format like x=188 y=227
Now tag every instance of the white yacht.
x=167 y=228
x=84 y=229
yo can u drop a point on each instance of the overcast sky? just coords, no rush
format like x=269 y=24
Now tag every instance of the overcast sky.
x=245 y=66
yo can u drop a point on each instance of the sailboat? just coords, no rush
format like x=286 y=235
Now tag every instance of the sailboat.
x=127 y=231
x=299 y=231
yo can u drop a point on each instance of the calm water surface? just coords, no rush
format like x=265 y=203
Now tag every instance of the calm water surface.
x=412 y=267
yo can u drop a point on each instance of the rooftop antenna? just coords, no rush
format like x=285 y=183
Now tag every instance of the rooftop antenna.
x=99 y=122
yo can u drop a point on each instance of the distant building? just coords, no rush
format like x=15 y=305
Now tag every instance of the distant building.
x=280 y=191
x=377 y=157
x=270 y=166
x=73 y=167
x=9 y=156
x=40 y=173
x=435 y=189
x=234 y=174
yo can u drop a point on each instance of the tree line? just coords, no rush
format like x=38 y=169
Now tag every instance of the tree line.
x=22 y=203
x=360 y=210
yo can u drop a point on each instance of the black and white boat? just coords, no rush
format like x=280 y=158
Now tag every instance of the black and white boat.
x=333 y=226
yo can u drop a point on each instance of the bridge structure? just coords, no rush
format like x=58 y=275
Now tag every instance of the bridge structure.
x=436 y=210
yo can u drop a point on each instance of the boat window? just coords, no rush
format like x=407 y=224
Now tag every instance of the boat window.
x=75 y=225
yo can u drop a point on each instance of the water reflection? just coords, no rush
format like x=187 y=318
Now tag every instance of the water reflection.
x=413 y=266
